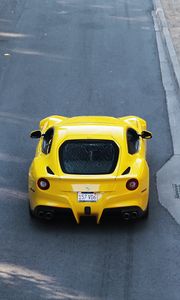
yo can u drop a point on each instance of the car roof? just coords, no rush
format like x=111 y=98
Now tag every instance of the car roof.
x=91 y=119
x=92 y=127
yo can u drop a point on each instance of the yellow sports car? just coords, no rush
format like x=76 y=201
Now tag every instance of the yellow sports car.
x=90 y=166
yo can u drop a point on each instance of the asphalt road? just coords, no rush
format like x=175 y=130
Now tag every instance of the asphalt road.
x=74 y=58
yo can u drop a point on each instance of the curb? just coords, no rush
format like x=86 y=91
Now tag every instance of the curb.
x=168 y=177
x=172 y=89
x=163 y=26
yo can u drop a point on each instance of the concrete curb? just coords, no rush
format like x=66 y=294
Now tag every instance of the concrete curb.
x=163 y=26
x=168 y=177
x=169 y=68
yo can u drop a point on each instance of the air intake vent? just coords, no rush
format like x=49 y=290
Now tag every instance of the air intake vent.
x=49 y=171
x=126 y=171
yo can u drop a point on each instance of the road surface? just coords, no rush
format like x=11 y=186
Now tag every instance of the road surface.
x=81 y=58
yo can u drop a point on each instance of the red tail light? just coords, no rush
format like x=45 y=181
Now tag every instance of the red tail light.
x=43 y=184
x=132 y=184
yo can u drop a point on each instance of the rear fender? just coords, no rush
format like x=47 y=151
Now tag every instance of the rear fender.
x=50 y=121
x=137 y=123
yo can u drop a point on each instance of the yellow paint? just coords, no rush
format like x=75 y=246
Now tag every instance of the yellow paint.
x=111 y=188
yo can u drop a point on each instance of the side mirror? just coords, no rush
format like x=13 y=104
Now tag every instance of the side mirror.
x=146 y=135
x=35 y=134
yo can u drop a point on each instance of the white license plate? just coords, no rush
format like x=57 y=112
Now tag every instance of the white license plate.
x=87 y=197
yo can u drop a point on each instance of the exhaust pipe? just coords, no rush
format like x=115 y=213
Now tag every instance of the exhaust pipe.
x=134 y=214
x=126 y=216
x=40 y=214
x=49 y=215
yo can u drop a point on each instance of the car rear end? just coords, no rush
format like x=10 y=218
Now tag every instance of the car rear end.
x=96 y=177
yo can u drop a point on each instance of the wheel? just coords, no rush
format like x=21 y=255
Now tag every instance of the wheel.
x=31 y=212
x=146 y=213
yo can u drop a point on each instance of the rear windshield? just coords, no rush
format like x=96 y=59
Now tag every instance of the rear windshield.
x=88 y=156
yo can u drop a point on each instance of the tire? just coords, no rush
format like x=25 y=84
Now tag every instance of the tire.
x=146 y=213
x=31 y=214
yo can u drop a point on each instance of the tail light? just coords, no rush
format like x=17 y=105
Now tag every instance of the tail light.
x=43 y=184
x=132 y=184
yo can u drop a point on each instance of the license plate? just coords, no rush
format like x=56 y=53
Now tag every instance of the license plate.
x=87 y=197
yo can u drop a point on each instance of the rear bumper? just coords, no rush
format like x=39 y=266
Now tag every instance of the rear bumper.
x=108 y=204
x=125 y=213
